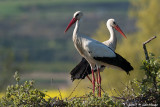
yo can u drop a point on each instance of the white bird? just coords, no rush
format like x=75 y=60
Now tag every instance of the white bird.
x=95 y=52
x=83 y=69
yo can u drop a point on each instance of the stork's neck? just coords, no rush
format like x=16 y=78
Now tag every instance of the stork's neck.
x=77 y=38
x=113 y=38
x=76 y=30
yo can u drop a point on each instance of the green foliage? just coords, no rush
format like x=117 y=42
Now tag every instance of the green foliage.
x=89 y=100
x=146 y=91
x=152 y=72
x=149 y=86
x=26 y=95
x=23 y=95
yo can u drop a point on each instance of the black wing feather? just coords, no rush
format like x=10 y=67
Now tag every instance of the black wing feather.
x=118 y=61
x=81 y=70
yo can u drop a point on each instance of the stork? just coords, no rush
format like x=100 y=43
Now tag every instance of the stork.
x=95 y=52
x=83 y=69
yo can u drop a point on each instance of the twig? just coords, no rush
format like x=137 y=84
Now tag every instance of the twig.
x=129 y=88
x=120 y=98
x=144 y=47
x=117 y=93
x=101 y=89
x=110 y=89
x=60 y=94
x=74 y=89
x=149 y=40
x=120 y=93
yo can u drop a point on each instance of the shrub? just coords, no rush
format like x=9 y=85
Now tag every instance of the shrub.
x=145 y=91
x=23 y=95
x=90 y=100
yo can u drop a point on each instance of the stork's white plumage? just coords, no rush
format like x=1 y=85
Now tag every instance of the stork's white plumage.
x=112 y=42
x=82 y=69
x=93 y=51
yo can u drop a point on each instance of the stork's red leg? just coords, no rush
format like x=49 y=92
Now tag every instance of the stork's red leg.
x=93 y=80
x=99 y=85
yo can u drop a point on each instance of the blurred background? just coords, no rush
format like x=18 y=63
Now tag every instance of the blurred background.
x=32 y=39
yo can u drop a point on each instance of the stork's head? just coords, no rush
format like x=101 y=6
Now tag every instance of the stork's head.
x=77 y=16
x=112 y=23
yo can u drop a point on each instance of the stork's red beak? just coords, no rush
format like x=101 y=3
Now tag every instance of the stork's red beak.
x=120 y=31
x=70 y=24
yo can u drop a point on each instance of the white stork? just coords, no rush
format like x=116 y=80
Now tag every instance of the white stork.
x=95 y=52
x=83 y=69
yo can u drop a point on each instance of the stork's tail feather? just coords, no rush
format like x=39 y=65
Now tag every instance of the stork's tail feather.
x=81 y=70
x=117 y=61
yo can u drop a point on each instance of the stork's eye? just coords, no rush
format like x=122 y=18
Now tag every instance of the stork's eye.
x=114 y=23
x=77 y=15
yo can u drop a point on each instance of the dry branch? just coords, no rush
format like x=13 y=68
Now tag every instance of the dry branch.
x=144 y=47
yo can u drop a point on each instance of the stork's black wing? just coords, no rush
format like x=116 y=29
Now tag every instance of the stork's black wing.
x=81 y=70
x=117 y=61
